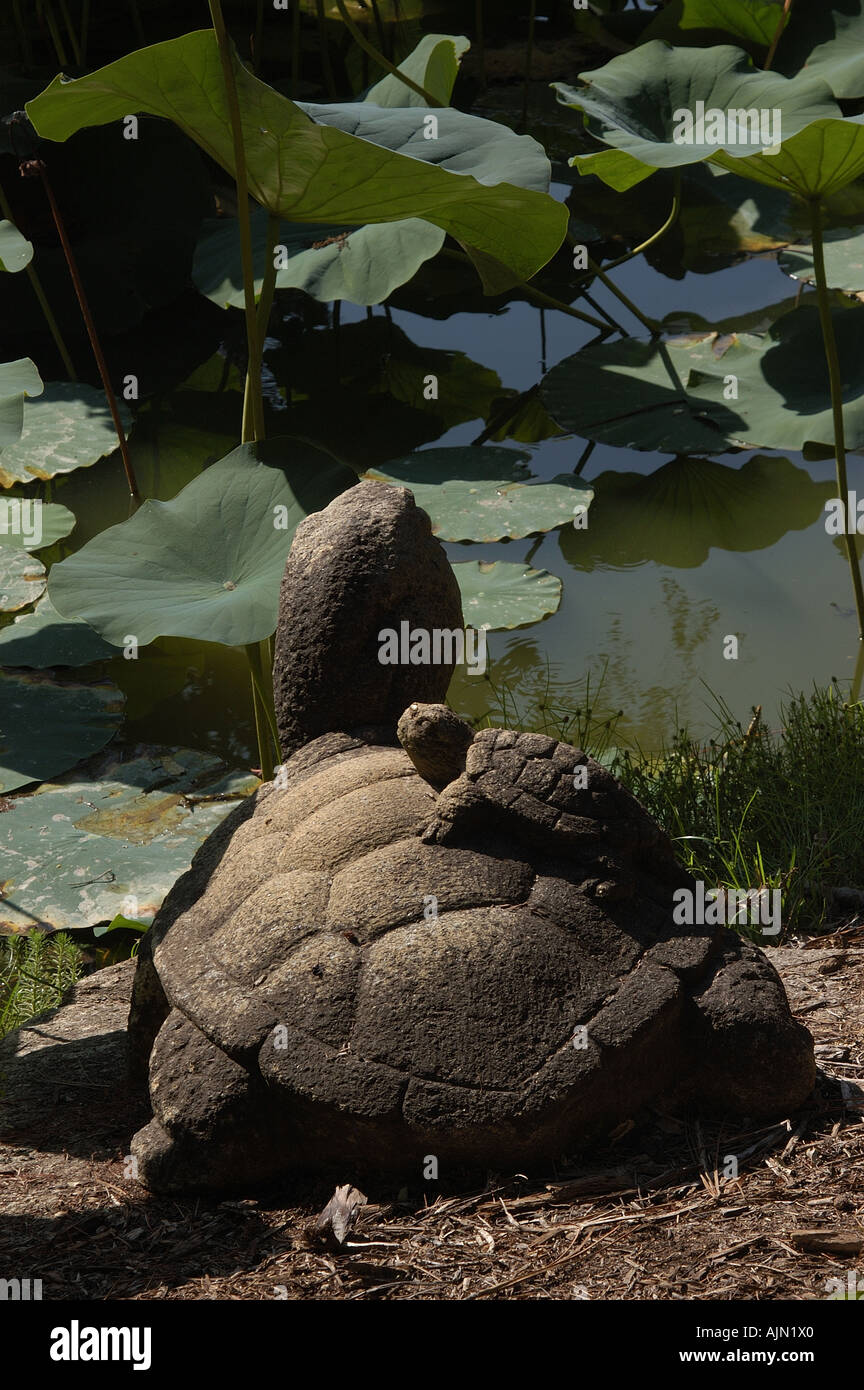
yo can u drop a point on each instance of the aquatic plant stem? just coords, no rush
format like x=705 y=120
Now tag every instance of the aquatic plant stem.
x=595 y=269
x=36 y=283
x=835 y=377
x=253 y=425
x=30 y=168
x=326 y=64
x=655 y=236
x=258 y=38
x=778 y=34
x=265 y=713
x=295 y=51
x=70 y=29
x=23 y=36
x=45 y=11
x=537 y=295
x=262 y=318
x=360 y=38
x=481 y=40
x=529 y=55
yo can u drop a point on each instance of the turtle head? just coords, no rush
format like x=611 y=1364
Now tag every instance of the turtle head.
x=436 y=740
x=365 y=566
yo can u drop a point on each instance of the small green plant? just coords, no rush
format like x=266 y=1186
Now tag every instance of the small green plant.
x=766 y=808
x=35 y=972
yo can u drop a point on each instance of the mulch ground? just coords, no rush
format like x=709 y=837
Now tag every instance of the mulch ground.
x=658 y=1215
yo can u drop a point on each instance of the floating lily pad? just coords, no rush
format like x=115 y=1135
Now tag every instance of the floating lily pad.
x=634 y=394
x=46 y=727
x=15 y=250
x=44 y=638
x=672 y=396
x=17 y=380
x=80 y=852
x=22 y=578
x=497 y=594
x=209 y=563
x=30 y=524
x=484 y=494
x=69 y=426
x=844 y=260
x=676 y=515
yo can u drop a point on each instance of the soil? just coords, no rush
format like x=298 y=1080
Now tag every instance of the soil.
x=659 y=1214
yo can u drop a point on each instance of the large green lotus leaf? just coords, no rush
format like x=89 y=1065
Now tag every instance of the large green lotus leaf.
x=78 y=851
x=22 y=578
x=844 y=260
x=17 y=380
x=634 y=394
x=330 y=261
x=69 y=426
x=434 y=65
x=15 y=250
x=783 y=384
x=474 y=494
x=705 y=22
x=819 y=161
x=30 y=524
x=364 y=268
x=207 y=564
x=623 y=393
x=306 y=171
x=631 y=103
x=498 y=594
x=45 y=638
x=678 y=513
x=830 y=40
x=46 y=727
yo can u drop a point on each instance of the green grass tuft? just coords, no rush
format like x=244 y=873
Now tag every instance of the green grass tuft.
x=35 y=972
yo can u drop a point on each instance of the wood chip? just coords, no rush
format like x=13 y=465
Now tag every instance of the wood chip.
x=339 y=1215
x=829 y=1242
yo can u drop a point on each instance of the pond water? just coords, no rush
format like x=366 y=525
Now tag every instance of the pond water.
x=698 y=551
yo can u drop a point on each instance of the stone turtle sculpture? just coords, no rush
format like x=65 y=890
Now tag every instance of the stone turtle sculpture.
x=463 y=946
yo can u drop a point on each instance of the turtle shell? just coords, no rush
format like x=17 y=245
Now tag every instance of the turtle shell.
x=408 y=971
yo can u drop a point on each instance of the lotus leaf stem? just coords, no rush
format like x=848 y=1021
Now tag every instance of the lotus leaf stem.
x=778 y=33
x=253 y=422
x=265 y=714
x=36 y=283
x=36 y=166
x=537 y=295
x=481 y=41
x=324 y=46
x=44 y=10
x=836 y=379
x=529 y=57
x=262 y=318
